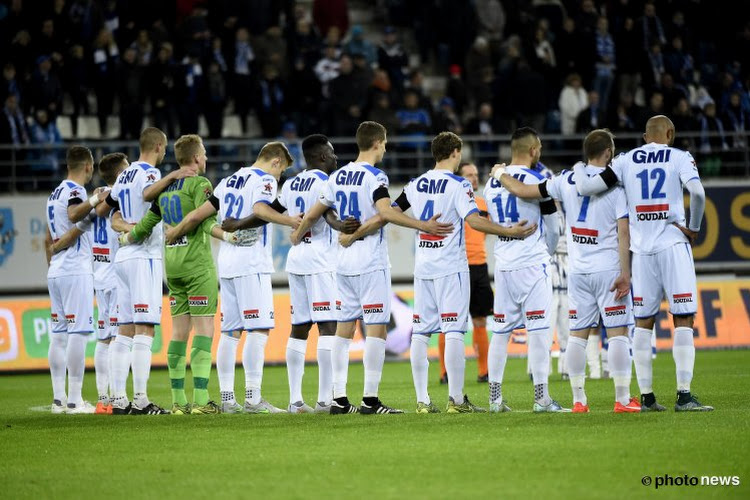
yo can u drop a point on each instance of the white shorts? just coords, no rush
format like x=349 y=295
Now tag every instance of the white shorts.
x=106 y=302
x=669 y=273
x=139 y=286
x=314 y=298
x=522 y=298
x=72 y=303
x=246 y=303
x=366 y=296
x=442 y=304
x=591 y=301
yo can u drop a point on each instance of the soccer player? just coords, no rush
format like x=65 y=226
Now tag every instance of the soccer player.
x=70 y=282
x=245 y=272
x=360 y=190
x=653 y=176
x=311 y=270
x=599 y=279
x=480 y=291
x=559 y=309
x=441 y=269
x=139 y=274
x=523 y=290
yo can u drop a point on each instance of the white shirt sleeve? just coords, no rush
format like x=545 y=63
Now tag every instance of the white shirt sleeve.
x=621 y=203
x=464 y=199
x=553 y=185
x=687 y=168
x=327 y=196
x=264 y=190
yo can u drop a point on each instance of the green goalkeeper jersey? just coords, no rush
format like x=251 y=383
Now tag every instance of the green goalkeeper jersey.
x=190 y=254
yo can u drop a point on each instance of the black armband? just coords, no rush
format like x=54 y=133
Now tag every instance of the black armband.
x=403 y=202
x=547 y=207
x=112 y=202
x=379 y=193
x=276 y=205
x=609 y=177
x=155 y=209
x=484 y=213
x=214 y=201
x=543 y=189
x=74 y=201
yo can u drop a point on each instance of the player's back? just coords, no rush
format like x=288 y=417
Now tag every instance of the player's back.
x=441 y=192
x=351 y=188
x=105 y=246
x=506 y=209
x=592 y=241
x=653 y=176
x=317 y=251
x=237 y=194
x=128 y=192
x=76 y=259
x=191 y=253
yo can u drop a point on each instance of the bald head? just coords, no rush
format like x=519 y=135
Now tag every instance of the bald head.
x=659 y=129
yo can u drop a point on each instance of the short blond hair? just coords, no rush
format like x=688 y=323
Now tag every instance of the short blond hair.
x=186 y=147
x=150 y=138
x=273 y=150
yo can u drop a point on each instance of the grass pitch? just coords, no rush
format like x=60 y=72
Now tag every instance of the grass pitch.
x=599 y=455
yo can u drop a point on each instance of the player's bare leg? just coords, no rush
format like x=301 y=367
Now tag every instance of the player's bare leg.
x=683 y=351
x=226 y=358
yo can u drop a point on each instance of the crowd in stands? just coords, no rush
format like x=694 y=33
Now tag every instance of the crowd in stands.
x=560 y=66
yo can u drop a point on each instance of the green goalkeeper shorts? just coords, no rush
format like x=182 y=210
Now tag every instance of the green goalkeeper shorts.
x=196 y=294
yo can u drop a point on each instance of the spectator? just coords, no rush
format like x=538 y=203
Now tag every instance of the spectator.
x=477 y=59
x=490 y=19
x=358 y=45
x=416 y=85
x=45 y=133
x=392 y=58
x=483 y=124
x=329 y=14
x=327 y=68
x=13 y=124
x=131 y=94
x=382 y=113
x=75 y=81
x=45 y=89
x=593 y=117
x=214 y=100
x=105 y=55
x=48 y=42
x=144 y=48
x=414 y=121
x=684 y=121
x=736 y=120
x=571 y=47
x=242 y=82
x=303 y=97
x=190 y=89
x=545 y=64
x=195 y=33
x=655 y=107
x=655 y=68
x=628 y=59
x=573 y=100
x=306 y=42
x=10 y=84
x=290 y=137
x=217 y=55
x=712 y=140
x=21 y=52
x=672 y=92
x=605 y=62
x=652 y=30
x=163 y=84
x=526 y=91
x=270 y=103
x=446 y=118
x=588 y=18
x=678 y=62
x=456 y=89
x=349 y=99
x=271 y=49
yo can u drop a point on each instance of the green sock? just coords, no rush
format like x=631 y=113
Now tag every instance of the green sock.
x=176 y=359
x=200 y=365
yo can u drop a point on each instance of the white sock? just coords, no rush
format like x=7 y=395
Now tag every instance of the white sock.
x=120 y=352
x=619 y=364
x=539 y=356
x=373 y=362
x=340 y=364
x=109 y=371
x=226 y=356
x=253 y=358
x=141 y=368
x=58 y=344
x=683 y=351
x=295 y=367
x=101 y=366
x=497 y=357
x=455 y=365
x=76 y=363
x=592 y=355
x=420 y=366
x=575 y=360
x=325 y=369
x=642 y=358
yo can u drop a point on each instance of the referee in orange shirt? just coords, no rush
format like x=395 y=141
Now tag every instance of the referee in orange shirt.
x=482 y=298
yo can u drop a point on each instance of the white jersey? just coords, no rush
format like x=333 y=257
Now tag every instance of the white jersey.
x=76 y=259
x=653 y=176
x=317 y=251
x=236 y=196
x=506 y=209
x=350 y=191
x=592 y=223
x=104 y=248
x=441 y=192
x=560 y=257
x=128 y=193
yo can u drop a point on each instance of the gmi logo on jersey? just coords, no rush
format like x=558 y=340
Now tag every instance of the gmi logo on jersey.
x=637 y=301
x=321 y=306
x=251 y=314
x=449 y=317
x=584 y=236
x=682 y=298
x=430 y=241
x=198 y=301
x=661 y=156
x=499 y=318
x=415 y=319
x=572 y=314
x=372 y=308
x=660 y=211
x=140 y=308
x=613 y=311
x=534 y=315
x=101 y=255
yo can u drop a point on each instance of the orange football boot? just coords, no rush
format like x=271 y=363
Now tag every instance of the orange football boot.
x=634 y=406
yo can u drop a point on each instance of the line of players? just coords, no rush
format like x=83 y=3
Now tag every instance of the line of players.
x=334 y=288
